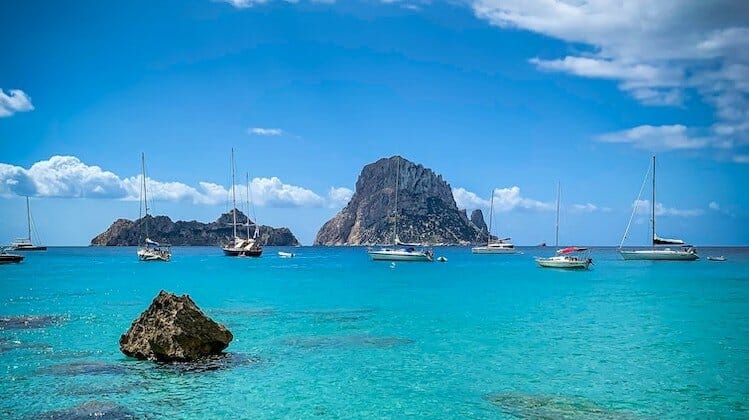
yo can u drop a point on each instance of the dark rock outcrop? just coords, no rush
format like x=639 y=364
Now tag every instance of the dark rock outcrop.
x=174 y=329
x=427 y=212
x=477 y=218
x=124 y=232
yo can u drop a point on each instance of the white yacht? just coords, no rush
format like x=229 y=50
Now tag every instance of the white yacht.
x=498 y=246
x=656 y=252
x=400 y=251
x=573 y=258
x=25 y=244
x=149 y=250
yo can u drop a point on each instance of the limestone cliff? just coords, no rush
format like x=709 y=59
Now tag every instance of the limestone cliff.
x=427 y=212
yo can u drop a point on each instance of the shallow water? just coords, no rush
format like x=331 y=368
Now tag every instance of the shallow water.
x=331 y=334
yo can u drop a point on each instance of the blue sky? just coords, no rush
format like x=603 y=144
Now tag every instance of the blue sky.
x=512 y=95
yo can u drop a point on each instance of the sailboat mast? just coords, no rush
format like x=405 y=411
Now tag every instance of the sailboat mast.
x=652 y=207
x=28 y=216
x=248 y=205
x=559 y=189
x=395 y=225
x=145 y=192
x=491 y=219
x=233 y=195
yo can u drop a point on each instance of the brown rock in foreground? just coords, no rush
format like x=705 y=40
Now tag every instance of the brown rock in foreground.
x=174 y=329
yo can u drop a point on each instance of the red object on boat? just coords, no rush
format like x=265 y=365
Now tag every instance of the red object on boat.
x=570 y=250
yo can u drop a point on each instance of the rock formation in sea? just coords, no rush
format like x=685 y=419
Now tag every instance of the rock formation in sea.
x=124 y=232
x=427 y=212
x=477 y=218
x=174 y=329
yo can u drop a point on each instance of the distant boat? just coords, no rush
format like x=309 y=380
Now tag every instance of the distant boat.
x=25 y=244
x=6 y=258
x=685 y=253
x=568 y=258
x=499 y=246
x=719 y=258
x=285 y=254
x=149 y=250
x=399 y=251
x=237 y=246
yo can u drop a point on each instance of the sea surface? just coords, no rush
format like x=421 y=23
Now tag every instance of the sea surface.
x=331 y=334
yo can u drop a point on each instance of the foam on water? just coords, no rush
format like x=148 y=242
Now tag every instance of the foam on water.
x=330 y=333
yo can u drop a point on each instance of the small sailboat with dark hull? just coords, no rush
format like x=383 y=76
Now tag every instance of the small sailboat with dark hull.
x=660 y=247
x=6 y=258
x=26 y=244
x=237 y=246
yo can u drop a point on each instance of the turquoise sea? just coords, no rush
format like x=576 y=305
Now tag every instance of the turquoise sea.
x=331 y=334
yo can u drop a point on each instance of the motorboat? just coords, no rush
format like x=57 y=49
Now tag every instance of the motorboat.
x=6 y=258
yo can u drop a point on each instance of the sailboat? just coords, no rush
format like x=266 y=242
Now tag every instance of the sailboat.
x=399 y=251
x=237 y=246
x=566 y=257
x=685 y=253
x=25 y=244
x=499 y=246
x=149 y=250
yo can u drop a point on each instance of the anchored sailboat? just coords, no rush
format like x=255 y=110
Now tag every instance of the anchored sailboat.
x=149 y=250
x=406 y=252
x=237 y=246
x=25 y=244
x=566 y=257
x=685 y=253
x=499 y=246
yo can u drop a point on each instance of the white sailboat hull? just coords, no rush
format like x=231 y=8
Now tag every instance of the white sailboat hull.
x=659 y=255
x=572 y=263
x=400 y=255
x=493 y=250
x=146 y=254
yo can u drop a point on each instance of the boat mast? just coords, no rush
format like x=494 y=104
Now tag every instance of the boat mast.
x=233 y=195
x=145 y=193
x=559 y=188
x=28 y=216
x=395 y=225
x=248 y=205
x=652 y=208
x=491 y=219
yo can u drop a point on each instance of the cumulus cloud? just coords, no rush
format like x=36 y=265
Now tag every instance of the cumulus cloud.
x=14 y=101
x=656 y=138
x=714 y=206
x=505 y=200
x=69 y=177
x=643 y=208
x=259 y=131
x=588 y=208
x=339 y=197
x=655 y=51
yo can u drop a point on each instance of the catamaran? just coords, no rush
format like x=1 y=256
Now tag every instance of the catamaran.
x=498 y=246
x=684 y=253
x=400 y=251
x=149 y=250
x=568 y=258
x=25 y=244
x=237 y=246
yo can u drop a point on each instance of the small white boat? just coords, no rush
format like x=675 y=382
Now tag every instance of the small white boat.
x=285 y=254
x=685 y=253
x=719 y=258
x=501 y=246
x=150 y=250
x=400 y=254
x=566 y=258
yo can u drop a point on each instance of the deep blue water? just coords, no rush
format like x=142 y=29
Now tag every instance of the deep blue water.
x=331 y=334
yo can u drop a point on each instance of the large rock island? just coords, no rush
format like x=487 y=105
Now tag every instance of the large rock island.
x=124 y=232
x=427 y=212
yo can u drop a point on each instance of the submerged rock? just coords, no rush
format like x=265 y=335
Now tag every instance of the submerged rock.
x=25 y=322
x=215 y=362
x=353 y=341
x=84 y=368
x=552 y=407
x=8 y=345
x=89 y=410
x=174 y=329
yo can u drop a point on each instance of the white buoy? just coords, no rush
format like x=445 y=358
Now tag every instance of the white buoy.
x=441 y=259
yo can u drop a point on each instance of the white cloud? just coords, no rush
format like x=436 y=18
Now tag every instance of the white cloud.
x=656 y=51
x=505 y=200
x=259 y=131
x=589 y=208
x=15 y=101
x=714 y=206
x=657 y=138
x=741 y=158
x=68 y=177
x=643 y=208
x=339 y=197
